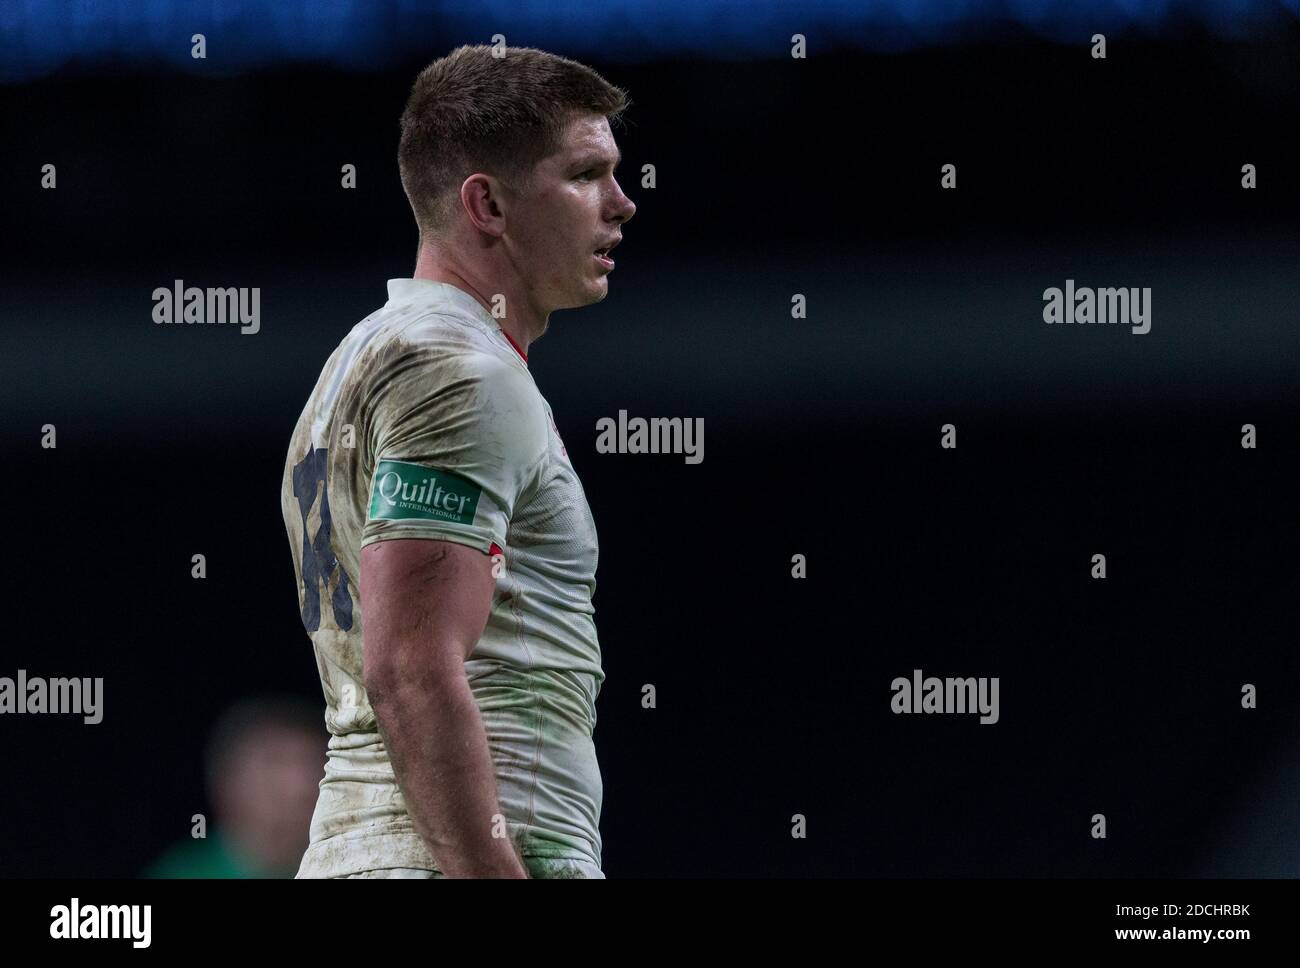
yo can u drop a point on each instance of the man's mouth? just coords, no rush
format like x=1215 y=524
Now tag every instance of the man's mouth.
x=602 y=253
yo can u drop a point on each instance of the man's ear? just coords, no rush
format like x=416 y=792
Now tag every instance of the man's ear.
x=483 y=200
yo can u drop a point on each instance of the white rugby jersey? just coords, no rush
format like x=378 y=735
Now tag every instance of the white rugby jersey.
x=426 y=423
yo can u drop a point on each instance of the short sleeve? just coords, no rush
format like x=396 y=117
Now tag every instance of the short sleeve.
x=458 y=436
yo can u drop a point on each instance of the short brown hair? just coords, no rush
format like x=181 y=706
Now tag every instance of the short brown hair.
x=471 y=111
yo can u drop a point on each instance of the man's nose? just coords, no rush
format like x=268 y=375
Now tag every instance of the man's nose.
x=625 y=208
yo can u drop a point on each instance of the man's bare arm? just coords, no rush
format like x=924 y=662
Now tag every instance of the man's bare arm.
x=425 y=604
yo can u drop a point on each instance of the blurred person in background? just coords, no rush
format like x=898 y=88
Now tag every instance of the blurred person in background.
x=264 y=763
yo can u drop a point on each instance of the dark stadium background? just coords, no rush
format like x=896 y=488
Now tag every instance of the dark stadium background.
x=775 y=176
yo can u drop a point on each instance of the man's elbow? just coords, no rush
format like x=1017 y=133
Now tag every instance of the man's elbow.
x=393 y=676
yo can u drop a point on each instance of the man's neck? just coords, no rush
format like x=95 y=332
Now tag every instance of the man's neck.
x=518 y=322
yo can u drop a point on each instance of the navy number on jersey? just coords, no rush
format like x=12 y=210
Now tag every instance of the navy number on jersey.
x=318 y=560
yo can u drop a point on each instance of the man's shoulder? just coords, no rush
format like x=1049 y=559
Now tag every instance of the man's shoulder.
x=442 y=370
x=407 y=349
x=430 y=335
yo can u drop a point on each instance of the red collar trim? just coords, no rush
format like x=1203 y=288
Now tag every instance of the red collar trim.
x=515 y=345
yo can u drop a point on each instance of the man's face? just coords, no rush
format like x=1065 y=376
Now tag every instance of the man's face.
x=268 y=793
x=571 y=208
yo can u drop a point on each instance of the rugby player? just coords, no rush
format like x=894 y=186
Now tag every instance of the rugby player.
x=445 y=551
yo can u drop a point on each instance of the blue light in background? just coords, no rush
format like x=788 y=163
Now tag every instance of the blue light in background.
x=37 y=38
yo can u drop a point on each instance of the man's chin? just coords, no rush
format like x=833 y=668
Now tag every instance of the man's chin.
x=594 y=292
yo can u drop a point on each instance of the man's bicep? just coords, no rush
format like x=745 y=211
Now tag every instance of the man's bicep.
x=425 y=603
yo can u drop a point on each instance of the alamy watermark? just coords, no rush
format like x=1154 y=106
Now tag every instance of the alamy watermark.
x=214 y=305
x=952 y=695
x=81 y=697
x=658 y=435
x=1128 y=307
x=75 y=921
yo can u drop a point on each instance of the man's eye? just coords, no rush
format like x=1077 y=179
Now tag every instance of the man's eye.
x=588 y=173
